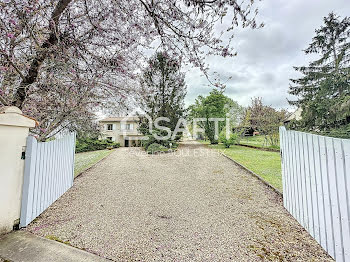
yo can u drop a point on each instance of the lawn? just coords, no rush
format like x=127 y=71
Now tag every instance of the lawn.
x=257 y=141
x=266 y=164
x=86 y=160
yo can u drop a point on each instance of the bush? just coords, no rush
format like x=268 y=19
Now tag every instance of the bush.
x=151 y=140
x=155 y=147
x=173 y=145
x=228 y=141
x=93 y=144
x=340 y=132
x=168 y=143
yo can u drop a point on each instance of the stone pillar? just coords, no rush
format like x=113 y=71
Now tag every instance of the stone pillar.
x=14 y=129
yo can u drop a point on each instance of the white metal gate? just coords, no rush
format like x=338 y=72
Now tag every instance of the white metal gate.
x=316 y=187
x=48 y=174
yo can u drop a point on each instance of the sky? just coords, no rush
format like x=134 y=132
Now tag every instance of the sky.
x=266 y=56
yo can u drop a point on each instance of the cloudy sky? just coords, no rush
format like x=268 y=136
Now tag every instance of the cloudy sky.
x=266 y=56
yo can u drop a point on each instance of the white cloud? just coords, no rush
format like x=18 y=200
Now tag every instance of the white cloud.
x=266 y=56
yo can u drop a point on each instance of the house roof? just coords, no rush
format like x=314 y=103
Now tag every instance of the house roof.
x=296 y=115
x=120 y=118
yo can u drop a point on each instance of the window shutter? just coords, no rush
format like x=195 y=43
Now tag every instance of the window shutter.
x=106 y=127
x=113 y=139
x=131 y=126
x=114 y=126
x=122 y=126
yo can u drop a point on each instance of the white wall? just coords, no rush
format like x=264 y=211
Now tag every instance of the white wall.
x=14 y=129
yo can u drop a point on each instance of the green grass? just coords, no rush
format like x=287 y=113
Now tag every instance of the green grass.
x=52 y=237
x=86 y=160
x=266 y=164
x=257 y=141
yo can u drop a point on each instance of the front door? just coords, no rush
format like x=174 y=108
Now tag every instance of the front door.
x=126 y=143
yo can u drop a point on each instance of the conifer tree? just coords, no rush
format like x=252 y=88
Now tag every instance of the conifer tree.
x=324 y=89
x=163 y=90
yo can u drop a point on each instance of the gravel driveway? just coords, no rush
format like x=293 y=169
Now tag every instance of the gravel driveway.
x=194 y=205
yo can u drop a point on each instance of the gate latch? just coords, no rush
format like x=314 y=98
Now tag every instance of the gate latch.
x=23 y=156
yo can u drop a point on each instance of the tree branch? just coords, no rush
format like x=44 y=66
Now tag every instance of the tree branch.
x=3 y=101
x=42 y=54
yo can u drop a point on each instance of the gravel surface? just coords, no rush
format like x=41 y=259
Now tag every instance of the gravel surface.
x=194 y=205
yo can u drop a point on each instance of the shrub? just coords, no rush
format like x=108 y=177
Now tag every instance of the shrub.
x=228 y=141
x=168 y=143
x=151 y=140
x=173 y=145
x=155 y=147
x=341 y=132
x=93 y=144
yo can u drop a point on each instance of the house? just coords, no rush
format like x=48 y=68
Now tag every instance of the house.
x=295 y=116
x=123 y=130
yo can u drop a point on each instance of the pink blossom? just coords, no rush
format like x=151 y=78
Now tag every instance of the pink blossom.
x=12 y=21
x=225 y=52
x=115 y=31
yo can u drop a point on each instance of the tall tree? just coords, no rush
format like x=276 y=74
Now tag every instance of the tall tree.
x=215 y=105
x=324 y=90
x=163 y=90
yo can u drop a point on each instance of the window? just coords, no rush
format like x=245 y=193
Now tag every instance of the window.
x=127 y=126
x=109 y=126
x=109 y=138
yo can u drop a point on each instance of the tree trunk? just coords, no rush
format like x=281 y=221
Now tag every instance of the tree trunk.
x=44 y=51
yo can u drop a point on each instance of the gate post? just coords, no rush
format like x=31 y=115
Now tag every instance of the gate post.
x=14 y=129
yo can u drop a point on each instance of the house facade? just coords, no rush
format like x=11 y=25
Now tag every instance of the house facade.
x=123 y=130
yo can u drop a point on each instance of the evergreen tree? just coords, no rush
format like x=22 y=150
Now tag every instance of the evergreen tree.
x=163 y=92
x=324 y=90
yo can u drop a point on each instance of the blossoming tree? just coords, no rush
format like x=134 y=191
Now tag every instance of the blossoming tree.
x=60 y=59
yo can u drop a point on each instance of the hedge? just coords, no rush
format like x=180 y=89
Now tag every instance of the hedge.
x=90 y=144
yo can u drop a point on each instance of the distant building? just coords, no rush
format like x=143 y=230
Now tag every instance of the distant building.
x=123 y=130
x=295 y=116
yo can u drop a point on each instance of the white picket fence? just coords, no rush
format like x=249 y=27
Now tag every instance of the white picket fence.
x=316 y=187
x=48 y=173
